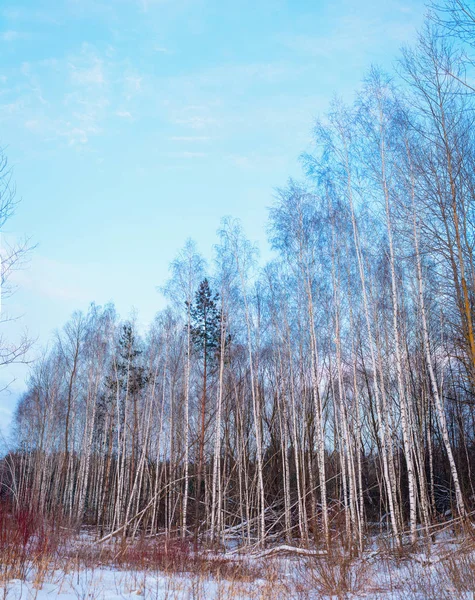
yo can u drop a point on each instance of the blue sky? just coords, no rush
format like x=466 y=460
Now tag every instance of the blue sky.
x=135 y=124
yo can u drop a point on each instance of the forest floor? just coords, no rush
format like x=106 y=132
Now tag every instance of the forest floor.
x=81 y=569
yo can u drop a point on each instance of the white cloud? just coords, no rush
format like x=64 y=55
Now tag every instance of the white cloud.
x=193 y=154
x=123 y=114
x=257 y=161
x=76 y=112
x=12 y=36
x=51 y=279
x=33 y=125
x=146 y=4
x=187 y=155
x=76 y=131
x=77 y=136
x=10 y=108
x=196 y=122
x=25 y=69
x=355 y=33
x=133 y=82
x=93 y=75
x=190 y=138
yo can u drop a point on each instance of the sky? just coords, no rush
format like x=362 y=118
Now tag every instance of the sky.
x=132 y=125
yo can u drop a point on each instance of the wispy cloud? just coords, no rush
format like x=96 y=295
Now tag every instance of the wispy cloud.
x=123 y=114
x=187 y=154
x=351 y=34
x=75 y=113
x=30 y=15
x=13 y=36
x=11 y=108
x=196 y=122
x=145 y=5
x=161 y=49
x=52 y=279
x=256 y=161
x=132 y=85
x=93 y=75
x=133 y=82
x=74 y=133
x=189 y=138
x=33 y=125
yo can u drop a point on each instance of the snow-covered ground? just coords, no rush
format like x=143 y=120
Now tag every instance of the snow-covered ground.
x=111 y=584
x=443 y=571
x=408 y=579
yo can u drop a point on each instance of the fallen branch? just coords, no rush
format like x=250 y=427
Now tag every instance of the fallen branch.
x=284 y=549
x=139 y=515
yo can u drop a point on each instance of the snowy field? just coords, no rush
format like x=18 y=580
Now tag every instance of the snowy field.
x=446 y=570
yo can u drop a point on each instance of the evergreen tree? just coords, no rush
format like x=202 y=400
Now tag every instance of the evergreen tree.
x=206 y=323
x=205 y=334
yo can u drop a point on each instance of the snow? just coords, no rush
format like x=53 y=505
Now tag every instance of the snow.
x=110 y=584
x=377 y=576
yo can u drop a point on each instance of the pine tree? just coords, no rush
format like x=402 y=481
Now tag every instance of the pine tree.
x=206 y=323
x=205 y=334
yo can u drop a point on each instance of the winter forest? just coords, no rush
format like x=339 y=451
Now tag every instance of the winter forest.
x=328 y=395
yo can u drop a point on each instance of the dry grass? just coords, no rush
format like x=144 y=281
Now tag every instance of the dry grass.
x=28 y=543
x=170 y=556
x=36 y=551
x=458 y=571
x=336 y=575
